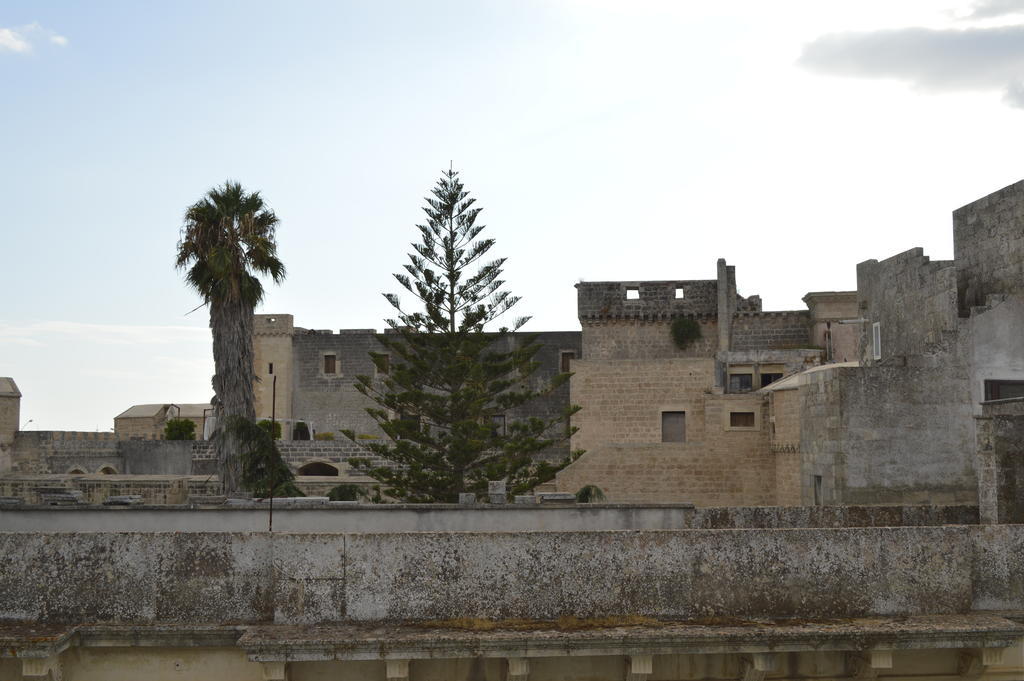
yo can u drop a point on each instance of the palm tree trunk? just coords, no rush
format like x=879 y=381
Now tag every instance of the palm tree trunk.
x=232 y=325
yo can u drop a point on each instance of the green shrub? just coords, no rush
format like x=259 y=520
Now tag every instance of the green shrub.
x=266 y=424
x=301 y=431
x=179 y=429
x=345 y=492
x=324 y=436
x=589 y=494
x=685 y=332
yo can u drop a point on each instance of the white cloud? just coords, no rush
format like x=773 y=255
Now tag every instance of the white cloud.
x=13 y=41
x=971 y=59
x=20 y=39
x=986 y=9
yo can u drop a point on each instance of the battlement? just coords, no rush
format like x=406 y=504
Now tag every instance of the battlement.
x=664 y=299
x=273 y=325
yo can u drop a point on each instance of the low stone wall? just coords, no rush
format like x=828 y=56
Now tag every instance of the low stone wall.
x=347 y=518
x=681 y=575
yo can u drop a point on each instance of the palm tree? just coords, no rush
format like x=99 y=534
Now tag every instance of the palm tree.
x=226 y=241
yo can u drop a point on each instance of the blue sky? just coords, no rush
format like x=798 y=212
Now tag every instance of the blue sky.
x=605 y=140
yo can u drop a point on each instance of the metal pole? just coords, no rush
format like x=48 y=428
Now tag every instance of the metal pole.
x=273 y=406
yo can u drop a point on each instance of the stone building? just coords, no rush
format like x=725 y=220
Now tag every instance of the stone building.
x=940 y=343
x=879 y=394
x=309 y=376
x=665 y=422
x=10 y=414
x=147 y=421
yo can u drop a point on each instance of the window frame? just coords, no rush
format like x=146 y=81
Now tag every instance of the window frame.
x=682 y=414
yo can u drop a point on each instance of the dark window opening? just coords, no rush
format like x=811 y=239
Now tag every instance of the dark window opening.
x=817 y=490
x=319 y=468
x=270 y=368
x=409 y=423
x=330 y=364
x=767 y=379
x=108 y=470
x=741 y=383
x=741 y=419
x=566 y=360
x=498 y=425
x=1003 y=390
x=673 y=426
x=385 y=364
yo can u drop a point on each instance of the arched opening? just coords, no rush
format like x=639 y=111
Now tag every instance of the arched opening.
x=76 y=471
x=108 y=470
x=318 y=468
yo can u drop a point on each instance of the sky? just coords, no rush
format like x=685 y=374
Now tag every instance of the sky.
x=605 y=140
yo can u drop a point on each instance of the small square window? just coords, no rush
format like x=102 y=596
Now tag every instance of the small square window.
x=565 y=360
x=742 y=419
x=680 y=294
x=673 y=426
x=330 y=364
x=741 y=383
x=632 y=293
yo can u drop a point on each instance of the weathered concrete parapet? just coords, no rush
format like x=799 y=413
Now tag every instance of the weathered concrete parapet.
x=305 y=579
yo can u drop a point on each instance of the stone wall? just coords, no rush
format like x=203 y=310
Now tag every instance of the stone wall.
x=771 y=330
x=784 y=420
x=656 y=299
x=10 y=420
x=341 y=518
x=887 y=435
x=272 y=345
x=330 y=402
x=913 y=298
x=988 y=245
x=620 y=429
x=131 y=578
x=640 y=339
x=46 y=451
x=1000 y=462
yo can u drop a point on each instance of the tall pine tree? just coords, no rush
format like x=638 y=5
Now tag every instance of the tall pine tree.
x=445 y=382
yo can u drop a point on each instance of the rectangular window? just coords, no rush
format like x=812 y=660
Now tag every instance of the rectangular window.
x=383 y=365
x=741 y=383
x=876 y=340
x=817 y=490
x=270 y=368
x=498 y=424
x=565 y=359
x=1003 y=390
x=330 y=364
x=673 y=426
x=768 y=379
x=680 y=293
x=742 y=419
x=632 y=293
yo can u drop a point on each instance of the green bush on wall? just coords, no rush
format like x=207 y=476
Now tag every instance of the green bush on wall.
x=265 y=425
x=179 y=429
x=685 y=332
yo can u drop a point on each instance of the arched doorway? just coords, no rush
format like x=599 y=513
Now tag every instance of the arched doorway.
x=318 y=468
